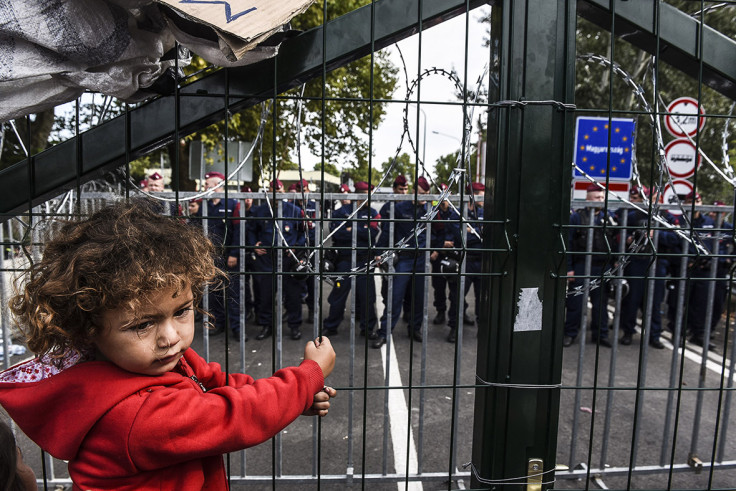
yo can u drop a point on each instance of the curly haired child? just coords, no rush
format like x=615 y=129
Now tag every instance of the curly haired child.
x=115 y=388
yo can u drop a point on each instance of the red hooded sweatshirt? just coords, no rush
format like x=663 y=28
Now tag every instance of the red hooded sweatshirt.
x=124 y=431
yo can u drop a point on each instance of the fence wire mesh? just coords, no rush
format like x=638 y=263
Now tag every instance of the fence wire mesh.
x=645 y=336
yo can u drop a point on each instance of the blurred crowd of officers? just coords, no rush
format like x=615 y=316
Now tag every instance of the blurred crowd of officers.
x=360 y=242
x=657 y=269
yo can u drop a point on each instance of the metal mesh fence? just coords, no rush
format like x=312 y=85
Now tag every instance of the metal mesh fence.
x=639 y=266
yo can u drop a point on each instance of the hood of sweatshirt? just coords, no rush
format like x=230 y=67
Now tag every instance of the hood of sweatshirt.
x=29 y=391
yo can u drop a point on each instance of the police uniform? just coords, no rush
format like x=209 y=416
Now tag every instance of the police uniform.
x=636 y=272
x=310 y=211
x=444 y=229
x=473 y=255
x=223 y=229
x=408 y=261
x=252 y=293
x=366 y=230
x=385 y=211
x=261 y=233
x=578 y=237
x=699 y=268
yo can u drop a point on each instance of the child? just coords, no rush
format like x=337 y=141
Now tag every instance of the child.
x=115 y=388
x=15 y=475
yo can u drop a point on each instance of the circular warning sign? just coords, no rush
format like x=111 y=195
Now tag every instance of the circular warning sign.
x=683 y=119
x=682 y=158
x=679 y=189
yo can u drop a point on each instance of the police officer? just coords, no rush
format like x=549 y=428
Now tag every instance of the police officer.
x=400 y=186
x=251 y=295
x=406 y=216
x=155 y=183
x=366 y=230
x=578 y=240
x=474 y=244
x=262 y=236
x=223 y=228
x=699 y=268
x=637 y=270
x=444 y=233
x=309 y=206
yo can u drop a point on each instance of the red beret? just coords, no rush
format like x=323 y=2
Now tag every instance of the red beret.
x=362 y=186
x=423 y=183
x=594 y=187
x=476 y=186
x=246 y=189
x=155 y=176
x=195 y=200
x=144 y=183
x=719 y=203
x=277 y=184
x=644 y=191
x=292 y=187
x=400 y=180
x=443 y=186
x=693 y=195
x=344 y=188
x=215 y=174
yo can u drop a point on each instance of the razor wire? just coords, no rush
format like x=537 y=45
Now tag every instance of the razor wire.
x=718 y=171
x=454 y=176
x=657 y=188
x=724 y=145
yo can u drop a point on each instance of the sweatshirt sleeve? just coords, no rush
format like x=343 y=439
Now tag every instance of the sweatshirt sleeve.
x=175 y=424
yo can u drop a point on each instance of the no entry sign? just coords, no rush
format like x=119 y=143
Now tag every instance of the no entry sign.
x=683 y=119
x=679 y=189
x=682 y=158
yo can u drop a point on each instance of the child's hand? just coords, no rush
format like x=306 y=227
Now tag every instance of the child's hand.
x=322 y=353
x=321 y=404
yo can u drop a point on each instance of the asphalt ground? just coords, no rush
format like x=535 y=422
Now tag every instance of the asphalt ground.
x=365 y=434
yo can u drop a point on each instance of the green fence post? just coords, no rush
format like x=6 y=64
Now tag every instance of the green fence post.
x=528 y=172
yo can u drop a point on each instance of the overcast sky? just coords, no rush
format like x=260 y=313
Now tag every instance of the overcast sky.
x=443 y=46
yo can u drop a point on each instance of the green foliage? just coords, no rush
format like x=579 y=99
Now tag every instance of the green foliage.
x=404 y=165
x=598 y=90
x=444 y=166
x=329 y=168
x=335 y=128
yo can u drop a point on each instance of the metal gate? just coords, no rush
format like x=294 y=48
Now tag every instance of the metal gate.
x=504 y=405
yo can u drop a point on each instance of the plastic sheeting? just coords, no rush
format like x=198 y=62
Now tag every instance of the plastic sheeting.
x=51 y=51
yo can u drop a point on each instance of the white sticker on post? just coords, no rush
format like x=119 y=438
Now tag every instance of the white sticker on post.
x=529 y=311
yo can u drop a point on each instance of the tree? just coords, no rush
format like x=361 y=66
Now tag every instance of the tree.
x=598 y=89
x=335 y=129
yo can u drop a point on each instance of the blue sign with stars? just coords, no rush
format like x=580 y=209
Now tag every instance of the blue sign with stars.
x=592 y=147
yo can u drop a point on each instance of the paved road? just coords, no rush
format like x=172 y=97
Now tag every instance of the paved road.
x=366 y=431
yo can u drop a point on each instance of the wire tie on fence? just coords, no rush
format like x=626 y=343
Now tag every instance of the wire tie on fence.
x=557 y=104
x=518 y=386
x=513 y=481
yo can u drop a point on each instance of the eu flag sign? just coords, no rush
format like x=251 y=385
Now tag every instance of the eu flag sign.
x=592 y=148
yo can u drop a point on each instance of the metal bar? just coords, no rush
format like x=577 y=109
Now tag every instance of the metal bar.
x=610 y=395
x=677 y=336
x=532 y=44
x=582 y=335
x=671 y=35
x=388 y=306
x=353 y=350
x=706 y=342
x=299 y=59
x=423 y=371
x=729 y=393
x=278 y=334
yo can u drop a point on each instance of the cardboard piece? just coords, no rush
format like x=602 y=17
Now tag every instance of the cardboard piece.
x=240 y=24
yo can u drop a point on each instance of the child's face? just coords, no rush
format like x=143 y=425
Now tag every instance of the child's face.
x=152 y=340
